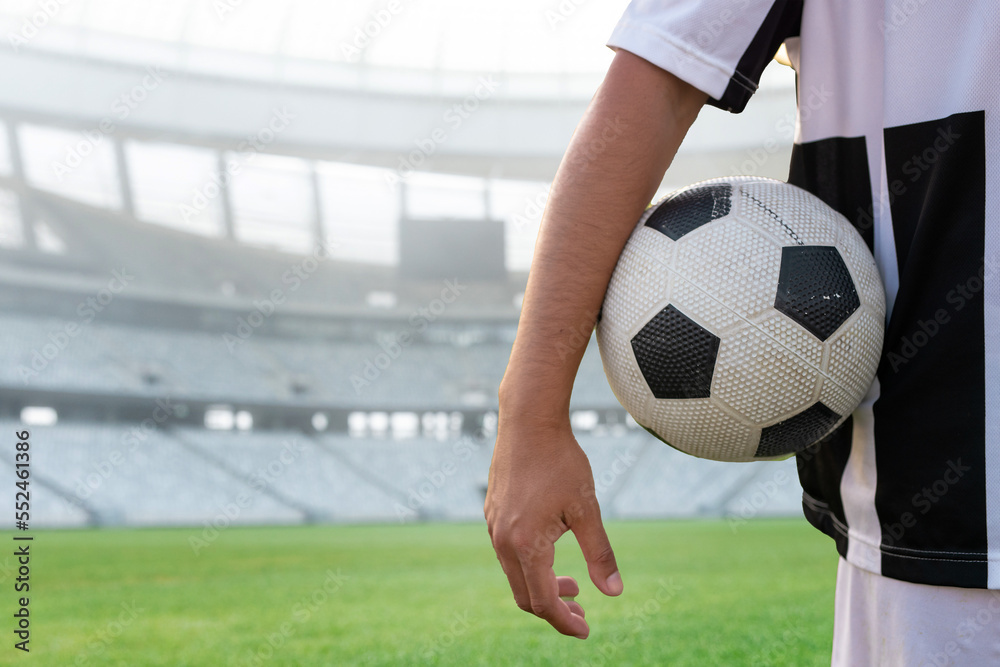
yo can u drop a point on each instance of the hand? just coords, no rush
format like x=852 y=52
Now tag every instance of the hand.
x=540 y=486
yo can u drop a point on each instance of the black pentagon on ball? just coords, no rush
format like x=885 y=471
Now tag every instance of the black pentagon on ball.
x=690 y=209
x=676 y=355
x=796 y=433
x=815 y=288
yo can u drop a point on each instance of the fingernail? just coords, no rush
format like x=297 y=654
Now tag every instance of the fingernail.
x=614 y=584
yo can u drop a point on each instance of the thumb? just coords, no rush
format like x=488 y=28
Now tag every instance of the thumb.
x=598 y=553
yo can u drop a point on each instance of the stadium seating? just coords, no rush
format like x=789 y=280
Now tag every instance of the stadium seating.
x=49 y=510
x=117 y=475
x=296 y=469
x=430 y=479
x=147 y=361
x=666 y=482
x=100 y=472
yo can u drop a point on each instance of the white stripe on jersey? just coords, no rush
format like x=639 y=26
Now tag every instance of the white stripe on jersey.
x=992 y=339
x=857 y=490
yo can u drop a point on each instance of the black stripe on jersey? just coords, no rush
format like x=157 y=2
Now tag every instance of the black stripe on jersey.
x=836 y=171
x=821 y=467
x=783 y=20
x=930 y=416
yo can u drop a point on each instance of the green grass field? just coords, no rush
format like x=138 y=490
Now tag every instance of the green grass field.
x=695 y=594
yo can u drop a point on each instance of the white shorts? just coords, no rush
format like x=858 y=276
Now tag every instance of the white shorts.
x=889 y=623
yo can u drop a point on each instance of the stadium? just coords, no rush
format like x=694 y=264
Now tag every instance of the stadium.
x=261 y=267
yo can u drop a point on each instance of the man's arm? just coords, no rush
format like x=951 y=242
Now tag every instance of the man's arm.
x=540 y=482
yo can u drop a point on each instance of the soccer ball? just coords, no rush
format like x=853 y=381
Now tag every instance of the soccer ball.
x=744 y=320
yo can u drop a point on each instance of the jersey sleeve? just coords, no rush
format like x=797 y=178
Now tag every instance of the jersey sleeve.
x=718 y=46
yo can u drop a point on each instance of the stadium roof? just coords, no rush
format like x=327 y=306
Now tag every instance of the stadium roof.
x=367 y=82
x=456 y=35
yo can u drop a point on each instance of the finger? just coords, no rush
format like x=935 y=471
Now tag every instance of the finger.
x=545 y=602
x=589 y=531
x=576 y=608
x=568 y=588
x=515 y=577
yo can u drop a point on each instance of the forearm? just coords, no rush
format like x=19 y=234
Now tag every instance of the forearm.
x=614 y=163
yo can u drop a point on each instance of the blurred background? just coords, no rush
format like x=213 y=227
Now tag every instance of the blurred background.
x=261 y=265
x=233 y=229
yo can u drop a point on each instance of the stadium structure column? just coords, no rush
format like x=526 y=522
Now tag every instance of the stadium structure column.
x=228 y=223
x=121 y=163
x=404 y=204
x=17 y=171
x=319 y=234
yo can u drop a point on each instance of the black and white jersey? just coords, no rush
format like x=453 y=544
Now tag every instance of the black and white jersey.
x=901 y=135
